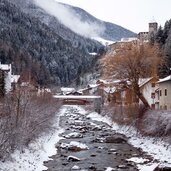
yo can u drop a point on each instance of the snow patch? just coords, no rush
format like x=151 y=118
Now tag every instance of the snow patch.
x=162 y=150
x=148 y=167
x=39 y=151
x=97 y=117
x=74 y=144
x=103 y=41
x=109 y=169
x=138 y=160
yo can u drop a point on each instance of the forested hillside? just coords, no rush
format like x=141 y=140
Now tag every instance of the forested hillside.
x=163 y=37
x=34 y=47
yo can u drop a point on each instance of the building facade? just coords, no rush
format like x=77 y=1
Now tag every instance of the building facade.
x=148 y=88
x=165 y=93
x=152 y=30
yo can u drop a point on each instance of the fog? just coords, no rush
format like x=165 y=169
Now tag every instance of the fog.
x=69 y=18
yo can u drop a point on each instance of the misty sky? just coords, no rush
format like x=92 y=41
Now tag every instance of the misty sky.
x=131 y=14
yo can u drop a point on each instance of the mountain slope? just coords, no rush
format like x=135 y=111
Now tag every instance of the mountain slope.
x=105 y=30
x=34 y=47
x=111 y=32
x=39 y=43
x=77 y=41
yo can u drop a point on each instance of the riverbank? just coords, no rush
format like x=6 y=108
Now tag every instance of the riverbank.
x=97 y=128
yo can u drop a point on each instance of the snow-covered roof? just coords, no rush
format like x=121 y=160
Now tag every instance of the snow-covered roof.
x=110 y=81
x=168 y=78
x=143 y=81
x=67 y=89
x=15 y=78
x=92 y=85
x=5 y=67
x=93 y=53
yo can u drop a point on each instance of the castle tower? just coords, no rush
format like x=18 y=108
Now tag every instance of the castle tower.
x=153 y=26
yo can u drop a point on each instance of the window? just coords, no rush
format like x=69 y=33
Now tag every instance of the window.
x=153 y=106
x=160 y=93
x=165 y=107
x=165 y=92
x=153 y=84
x=153 y=95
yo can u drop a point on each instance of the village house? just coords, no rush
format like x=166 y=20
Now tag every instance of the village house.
x=164 y=92
x=148 y=88
x=7 y=78
x=116 y=92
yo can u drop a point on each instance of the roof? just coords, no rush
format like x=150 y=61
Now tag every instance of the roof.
x=168 y=78
x=5 y=67
x=15 y=78
x=67 y=90
x=143 y=81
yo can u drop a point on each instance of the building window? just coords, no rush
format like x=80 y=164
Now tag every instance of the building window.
x=165 y=92
x=153 y=95
x=165 y=107
x=153 y=106
x=153 y=84
x=160 y=93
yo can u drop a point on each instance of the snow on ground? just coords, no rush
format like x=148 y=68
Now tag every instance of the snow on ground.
x=74 y=144
x=97 y=117
x=138 y=160
x=109 y=169
x=39 y=151
x=103 y=41
x=147 y=167
x=42 y=148
x=157 y=148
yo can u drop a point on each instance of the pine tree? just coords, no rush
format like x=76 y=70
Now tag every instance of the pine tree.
x=159 y=36
x=2 y=84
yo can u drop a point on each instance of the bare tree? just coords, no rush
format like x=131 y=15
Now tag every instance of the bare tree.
x=131 y=62
x=23 y=117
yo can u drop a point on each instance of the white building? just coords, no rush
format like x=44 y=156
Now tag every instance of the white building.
x=164 y=93
x=148 y=88
x=8 y=77
x=6 y=69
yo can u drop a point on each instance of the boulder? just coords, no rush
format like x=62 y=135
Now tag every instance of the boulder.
x=162 y=168
x=115 y=139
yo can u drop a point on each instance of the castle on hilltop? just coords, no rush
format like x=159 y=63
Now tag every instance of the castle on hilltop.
x=146 y=36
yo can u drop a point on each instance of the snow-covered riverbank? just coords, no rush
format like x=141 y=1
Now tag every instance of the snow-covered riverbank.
x=40 y=150
x=160 y=150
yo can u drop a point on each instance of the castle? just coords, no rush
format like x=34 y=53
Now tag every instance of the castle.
x=145 y=36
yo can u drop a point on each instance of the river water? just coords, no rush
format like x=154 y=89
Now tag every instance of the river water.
x=106 y=150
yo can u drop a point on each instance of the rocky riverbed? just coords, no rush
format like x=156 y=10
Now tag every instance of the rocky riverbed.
x=92 y=145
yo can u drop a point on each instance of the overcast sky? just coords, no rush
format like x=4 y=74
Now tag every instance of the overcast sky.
x=131 y=14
